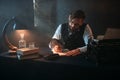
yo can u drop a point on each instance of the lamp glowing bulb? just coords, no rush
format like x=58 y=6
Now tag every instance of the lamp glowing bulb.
x=22 y=35
x=22 y=42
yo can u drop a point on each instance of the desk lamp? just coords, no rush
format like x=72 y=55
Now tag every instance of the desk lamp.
x=4 y=31
x=21 y=29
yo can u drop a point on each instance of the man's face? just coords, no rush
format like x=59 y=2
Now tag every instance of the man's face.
x=75 y=23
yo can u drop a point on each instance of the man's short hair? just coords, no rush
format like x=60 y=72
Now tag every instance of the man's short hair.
x=77 y=14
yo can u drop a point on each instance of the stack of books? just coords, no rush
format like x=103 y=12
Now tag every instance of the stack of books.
x=26 y=52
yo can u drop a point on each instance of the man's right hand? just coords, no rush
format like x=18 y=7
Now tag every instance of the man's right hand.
x=57 y=49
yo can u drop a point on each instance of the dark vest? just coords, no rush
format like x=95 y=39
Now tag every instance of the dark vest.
x=72 y=40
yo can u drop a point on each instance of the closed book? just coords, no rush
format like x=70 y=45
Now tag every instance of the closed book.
x=27 y=51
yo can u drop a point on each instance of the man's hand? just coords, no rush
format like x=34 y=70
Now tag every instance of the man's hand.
x=57 y=49
x=73 y=52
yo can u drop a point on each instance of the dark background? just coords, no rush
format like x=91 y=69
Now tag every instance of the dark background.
x=42 y=18
x=45 y=15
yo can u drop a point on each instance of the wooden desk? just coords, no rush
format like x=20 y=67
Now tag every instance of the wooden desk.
x=79 y=60
x=62 y=68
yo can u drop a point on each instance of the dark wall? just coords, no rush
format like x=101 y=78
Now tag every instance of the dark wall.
x=22 y=9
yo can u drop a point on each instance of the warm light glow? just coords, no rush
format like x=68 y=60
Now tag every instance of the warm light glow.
x=22 y=35
x=28 y=35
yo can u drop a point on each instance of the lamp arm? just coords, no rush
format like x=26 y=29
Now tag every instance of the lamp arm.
x=10 y=45
x=5 y=38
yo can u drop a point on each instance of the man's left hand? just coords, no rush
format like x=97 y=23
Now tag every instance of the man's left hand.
x=73 y=52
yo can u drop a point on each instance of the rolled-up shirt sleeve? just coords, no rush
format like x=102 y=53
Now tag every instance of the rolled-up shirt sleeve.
x=57 y=34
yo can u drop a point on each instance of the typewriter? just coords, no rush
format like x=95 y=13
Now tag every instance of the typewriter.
x=107 y=50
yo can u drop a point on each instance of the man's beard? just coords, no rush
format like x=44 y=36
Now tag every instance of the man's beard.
x=75 y=29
